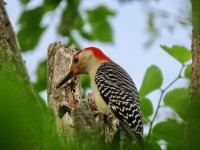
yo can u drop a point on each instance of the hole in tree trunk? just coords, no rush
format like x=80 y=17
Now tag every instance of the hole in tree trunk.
x=63 y=110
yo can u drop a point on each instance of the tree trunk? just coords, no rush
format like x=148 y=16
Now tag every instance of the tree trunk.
x=192 y=134
x=22 y=116
x=10 y=54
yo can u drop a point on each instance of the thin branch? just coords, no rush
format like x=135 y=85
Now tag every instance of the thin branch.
x=161 y=97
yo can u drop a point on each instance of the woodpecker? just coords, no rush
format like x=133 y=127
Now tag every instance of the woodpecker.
x=114 y=90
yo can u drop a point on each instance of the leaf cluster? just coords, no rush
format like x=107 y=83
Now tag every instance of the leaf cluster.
x=90 y=24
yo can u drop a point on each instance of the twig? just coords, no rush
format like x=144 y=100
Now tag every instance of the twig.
x=161 y=97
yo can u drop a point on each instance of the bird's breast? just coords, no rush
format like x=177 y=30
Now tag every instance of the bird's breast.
x=100 y=103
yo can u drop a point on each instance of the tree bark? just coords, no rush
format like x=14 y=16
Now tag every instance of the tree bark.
x=61 y=101
x=192 y=133
x=10 y=54
x=22 y=115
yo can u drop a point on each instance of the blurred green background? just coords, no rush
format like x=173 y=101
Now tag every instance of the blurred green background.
x=150 y=39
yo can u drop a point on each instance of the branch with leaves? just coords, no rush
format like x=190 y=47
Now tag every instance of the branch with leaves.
x=176 y=99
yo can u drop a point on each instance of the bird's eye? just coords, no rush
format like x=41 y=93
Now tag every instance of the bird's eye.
x=76 y=60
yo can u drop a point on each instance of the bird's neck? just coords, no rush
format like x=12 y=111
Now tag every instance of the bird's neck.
x=93 y=69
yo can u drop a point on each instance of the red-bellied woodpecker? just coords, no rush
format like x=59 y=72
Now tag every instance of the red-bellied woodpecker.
x=114 y=91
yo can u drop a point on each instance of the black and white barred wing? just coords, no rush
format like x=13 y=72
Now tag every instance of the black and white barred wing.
x=119 y=92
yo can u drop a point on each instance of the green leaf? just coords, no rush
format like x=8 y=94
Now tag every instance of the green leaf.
x=171 y=131
x=180 y=53
x=41 y=83
x=30 y=29
x=152 y=80
x=29 y=40
x=23 y=121
x=178 y=100
x=50 y=5
x=85 y=84
x=86 y=35
x=85 y=81
x=30 y=24
x=188 y=71
x=152 y=146
x=100 y=27
x=70 y=19
x=31 y=17
x=72 y=42
x=147 y=107
x=24 y=2
x=150 y=23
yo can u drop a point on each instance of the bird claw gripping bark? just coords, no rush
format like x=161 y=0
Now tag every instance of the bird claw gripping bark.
x=111 y=127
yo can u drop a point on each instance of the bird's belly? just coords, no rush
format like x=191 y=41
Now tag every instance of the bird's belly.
x=100 y=103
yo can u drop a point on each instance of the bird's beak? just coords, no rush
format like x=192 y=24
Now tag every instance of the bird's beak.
x=73 y=71
x=66 y=78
